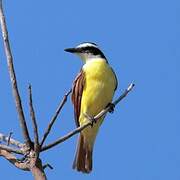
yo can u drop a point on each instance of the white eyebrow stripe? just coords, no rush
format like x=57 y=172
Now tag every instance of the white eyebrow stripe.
x=86 y=45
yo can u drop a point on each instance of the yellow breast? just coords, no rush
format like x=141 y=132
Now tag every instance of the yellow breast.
x=100 y=83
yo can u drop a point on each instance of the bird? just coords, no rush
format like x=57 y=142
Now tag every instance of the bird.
x=92 y=91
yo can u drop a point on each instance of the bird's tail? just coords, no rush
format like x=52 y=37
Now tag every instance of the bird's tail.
x=83 y=158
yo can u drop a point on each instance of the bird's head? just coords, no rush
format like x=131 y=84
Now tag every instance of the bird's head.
x=87 y=51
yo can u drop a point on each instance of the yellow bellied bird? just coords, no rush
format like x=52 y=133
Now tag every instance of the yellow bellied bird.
x=92 y=91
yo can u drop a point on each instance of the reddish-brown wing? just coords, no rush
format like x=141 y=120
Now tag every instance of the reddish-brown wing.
x=77 y=91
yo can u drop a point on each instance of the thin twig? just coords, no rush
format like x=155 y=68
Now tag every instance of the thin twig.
x=34 y=123
x=130 y=87
x=11 y=141
x=9 y=138
x=98 y=116
x=54 y=117
x=13 y=77
x=47 y=165
x=10 y=149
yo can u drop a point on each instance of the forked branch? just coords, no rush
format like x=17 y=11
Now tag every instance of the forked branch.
x=30 y=151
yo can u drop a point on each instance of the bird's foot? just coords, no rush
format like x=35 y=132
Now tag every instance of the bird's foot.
x=112 y=106
x=91 y=119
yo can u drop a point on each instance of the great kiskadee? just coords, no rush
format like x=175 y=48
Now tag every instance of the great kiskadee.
x=92 y=91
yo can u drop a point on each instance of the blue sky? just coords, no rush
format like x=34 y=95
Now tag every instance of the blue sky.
x=141 y=140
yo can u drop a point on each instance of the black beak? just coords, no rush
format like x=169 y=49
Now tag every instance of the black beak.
x=71 y=50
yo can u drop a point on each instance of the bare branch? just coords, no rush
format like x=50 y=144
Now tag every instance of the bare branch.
x=64 y=138
x=55 y=117
x=98 y=116
x=35 y=127
x=11 y=141
x=13 y=160
x=10 y=149
x=13 y=76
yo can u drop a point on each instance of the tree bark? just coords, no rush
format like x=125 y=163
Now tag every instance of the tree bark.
x=38 y=171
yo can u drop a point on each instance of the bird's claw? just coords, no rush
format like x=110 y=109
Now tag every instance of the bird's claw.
x=93 y=120
x=111 y=107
